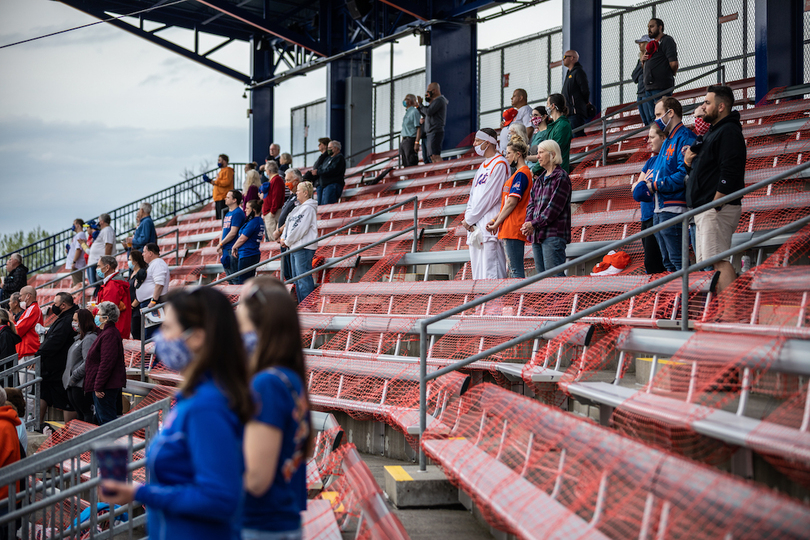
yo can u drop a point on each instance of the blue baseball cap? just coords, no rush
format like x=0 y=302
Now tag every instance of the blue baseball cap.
x=641 y=193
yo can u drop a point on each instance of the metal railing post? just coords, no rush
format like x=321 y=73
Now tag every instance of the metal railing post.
x=423 y=345
x=143 y=345
x=685 y=284
x=37 y=393
x=604 y=142
x=177 y=246
x=415 y=225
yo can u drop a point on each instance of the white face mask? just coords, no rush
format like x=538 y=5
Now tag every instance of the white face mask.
x=23 y=304
x=480 y=149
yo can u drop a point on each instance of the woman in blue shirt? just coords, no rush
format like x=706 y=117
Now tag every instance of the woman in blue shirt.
x=278 y=439
x=250 y=238
x=196 y=463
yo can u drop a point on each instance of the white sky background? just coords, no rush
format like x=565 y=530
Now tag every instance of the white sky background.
x=93 y=119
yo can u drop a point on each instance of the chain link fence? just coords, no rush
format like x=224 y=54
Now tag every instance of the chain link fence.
x=806 y=35
x=388 y=109
x=308 y=124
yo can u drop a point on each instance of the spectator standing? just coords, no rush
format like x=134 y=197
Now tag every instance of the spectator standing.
x=251 y=187
x=331 y=174
x=75 y=257
x=231 y=224
x=27 y=324
x=293 y=178
x=145 y=233
x=156 y=284
x=73 y=376
x=548 y=215
x=196 y=462
x=273 y=198
x=514 y=200
x=301 y=228
x=508 y=117
x=487 y=259
x=53 y=356
x=668 y=184
x=638 y=78
x=410 y=134
x=520 y=101
x=103 y=244
x=284 y=162
x=246 y=247
x=16 y=276
x=540 y=120
x=660 y=63
x=104 y=371
x=17 y=400
x=312 y=174
x=115 y=289
x=653 y=262
x=278 y=439
x=435 y=111
x=223 y=183
x=576 y=92
x=717 y=170
x=9 y=447
x=137 y=275
x=8 y=337
x=14 y=306
x=559 y=130
x=275 y=153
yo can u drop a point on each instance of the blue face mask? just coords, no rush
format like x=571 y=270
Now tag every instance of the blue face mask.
x=660 y=123
x=220 y=164
x=129 y=263
x=404 y=103
x=98 y=321
x=99 y=274
x=251 y=340
x=173 y=353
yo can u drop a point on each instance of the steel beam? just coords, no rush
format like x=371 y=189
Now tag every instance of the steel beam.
x=261 y=103
x=582 y=32
x=779 y=44
x=415 y=9
x=337 y=71
x=265 y=25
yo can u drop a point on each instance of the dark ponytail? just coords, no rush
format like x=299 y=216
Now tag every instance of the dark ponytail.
x=558 y=100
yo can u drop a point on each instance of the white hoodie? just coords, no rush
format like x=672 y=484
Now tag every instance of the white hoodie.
x=302 y=225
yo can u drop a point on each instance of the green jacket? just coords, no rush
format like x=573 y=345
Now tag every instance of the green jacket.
x=537 y=138
x=560 y=131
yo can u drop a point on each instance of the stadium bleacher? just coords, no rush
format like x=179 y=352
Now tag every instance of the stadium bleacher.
x=675 y=406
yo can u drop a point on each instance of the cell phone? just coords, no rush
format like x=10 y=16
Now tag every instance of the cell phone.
x=112 y=459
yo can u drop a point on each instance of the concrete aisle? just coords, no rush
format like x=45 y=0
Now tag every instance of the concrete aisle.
x=428 y=524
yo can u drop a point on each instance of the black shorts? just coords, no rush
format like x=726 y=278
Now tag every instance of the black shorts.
x=434 y=142
x=55 y=395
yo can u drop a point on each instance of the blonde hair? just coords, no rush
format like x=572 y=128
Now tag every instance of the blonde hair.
x=551 y=146
x=516 y=128
x=285 y=158
x=308 y=187
x=252 y=178
x=518 y=145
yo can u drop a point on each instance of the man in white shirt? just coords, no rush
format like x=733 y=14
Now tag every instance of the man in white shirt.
x=155 y=285
x=75 y=256
x=104 y=244
x=520 y=101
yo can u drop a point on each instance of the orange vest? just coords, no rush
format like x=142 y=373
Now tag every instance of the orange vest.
x=510 y=228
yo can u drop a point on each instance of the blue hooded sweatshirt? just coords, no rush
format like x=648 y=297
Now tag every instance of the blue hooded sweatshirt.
x=643 y=195
x=670 y=181
x=196 y=466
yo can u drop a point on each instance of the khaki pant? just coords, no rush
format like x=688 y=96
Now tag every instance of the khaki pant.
x=714 y=230
x=270 y=223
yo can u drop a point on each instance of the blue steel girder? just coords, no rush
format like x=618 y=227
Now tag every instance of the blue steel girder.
x=417 y=9
x=177 y=49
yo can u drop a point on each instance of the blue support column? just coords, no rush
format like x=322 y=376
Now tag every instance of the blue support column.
x=779 y=47
x=355 y=65
x=582 y=32
x=452 y=62
x=261 y=103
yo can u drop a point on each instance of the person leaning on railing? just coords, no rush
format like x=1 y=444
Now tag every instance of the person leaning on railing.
x=278 y=440
x=302 y=227
x=196 y=462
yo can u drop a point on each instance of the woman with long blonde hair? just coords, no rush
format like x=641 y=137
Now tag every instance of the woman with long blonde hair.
x=250 y=189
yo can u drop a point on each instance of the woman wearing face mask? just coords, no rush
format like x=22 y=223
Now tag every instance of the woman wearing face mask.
x=75 y=257
x=15 y=307
x=137 y=274
x=514 y=199
x=73 y=377
x=104 y=371
x=487 y=258
x=196 y=463
x=278 y=439
x=540 y=122
x=302 y=227
x=248 y=240
x=559 y=130
x=8 y=336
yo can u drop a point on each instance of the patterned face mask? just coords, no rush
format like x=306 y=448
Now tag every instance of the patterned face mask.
x=173 y=353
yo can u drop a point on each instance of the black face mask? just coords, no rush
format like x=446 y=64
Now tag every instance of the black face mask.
x=56 y=310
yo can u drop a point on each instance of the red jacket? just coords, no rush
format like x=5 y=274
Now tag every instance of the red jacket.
x=26 y=328
x=274 y=199
x=104 y=366
x=117 y=291
x=9 y=441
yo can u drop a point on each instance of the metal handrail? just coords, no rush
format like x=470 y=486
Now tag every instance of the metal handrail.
x=360 y=221
x=32 y=379
x=519 y=284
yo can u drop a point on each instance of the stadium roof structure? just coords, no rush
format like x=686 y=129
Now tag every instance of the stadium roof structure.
x=299 y=31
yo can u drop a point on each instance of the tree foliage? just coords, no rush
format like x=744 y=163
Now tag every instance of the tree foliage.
x=10 y=243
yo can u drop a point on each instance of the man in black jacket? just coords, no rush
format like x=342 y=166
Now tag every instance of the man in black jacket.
x=331 y=174
x=17 y=277
x=576 y=92
x=717 y=169
x=53 y=356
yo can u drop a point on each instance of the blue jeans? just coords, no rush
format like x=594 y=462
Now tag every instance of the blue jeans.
x=107 y=407
x=549 y=254
x=245 y=262
x=302 y=263
x=253 y=534
x=669 y=241
x=642 y=111
x=286 y=265
x=649 y=107
x=330 y=194
x=514 y=250
x=232 y=268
